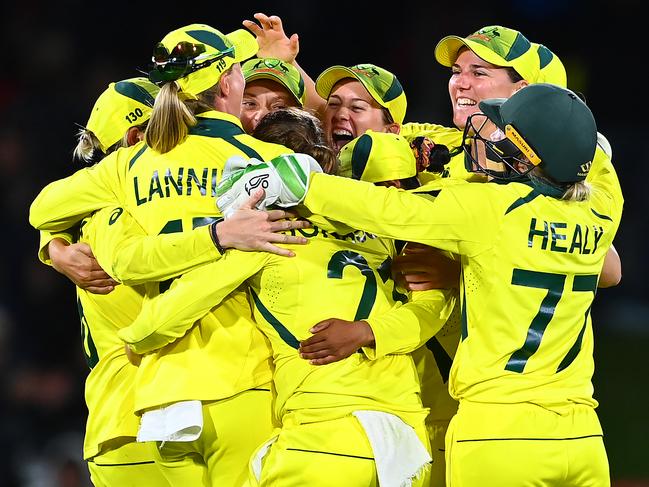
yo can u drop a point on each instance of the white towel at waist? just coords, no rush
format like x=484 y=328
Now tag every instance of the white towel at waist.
x=180 y=421
x=399 y=454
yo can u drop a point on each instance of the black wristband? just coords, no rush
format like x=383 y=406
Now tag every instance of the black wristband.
x=215 y=237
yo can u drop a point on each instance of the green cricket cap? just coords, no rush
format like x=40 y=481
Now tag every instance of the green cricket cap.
x=552 y=69
x=382 y=85
x=377 y=157
x=276 y=70
x=497 y=45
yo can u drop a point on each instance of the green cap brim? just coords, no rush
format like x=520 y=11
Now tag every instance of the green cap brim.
x=447 y=49
x=280 y=80
x=329 y=77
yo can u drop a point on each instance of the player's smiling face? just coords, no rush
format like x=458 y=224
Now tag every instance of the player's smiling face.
x=473 y=80
x=350 y=112
x=260 y=97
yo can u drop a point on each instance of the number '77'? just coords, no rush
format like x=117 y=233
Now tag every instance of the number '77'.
x=554 y=283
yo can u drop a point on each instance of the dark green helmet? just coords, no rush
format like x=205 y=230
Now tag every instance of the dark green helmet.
x=549 y=125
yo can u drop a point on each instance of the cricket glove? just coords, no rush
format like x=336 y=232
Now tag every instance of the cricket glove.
x=285 y=180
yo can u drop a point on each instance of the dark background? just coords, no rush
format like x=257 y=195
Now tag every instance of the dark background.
x=55 y=61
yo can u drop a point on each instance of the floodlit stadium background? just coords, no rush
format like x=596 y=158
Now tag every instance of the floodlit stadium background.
x=56 y=60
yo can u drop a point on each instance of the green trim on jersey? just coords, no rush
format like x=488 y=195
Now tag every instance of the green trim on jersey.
x=442 y=358
x=283 y=332
x=223 y=129
x=210 y=127
x=137 y=156
x=599 y=215
x=464 y=322
x=89 y=348
x=523 y=200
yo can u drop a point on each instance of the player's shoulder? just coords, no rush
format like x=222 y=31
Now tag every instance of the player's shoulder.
x=604 y=145
x=126 y=156
x=494 y=195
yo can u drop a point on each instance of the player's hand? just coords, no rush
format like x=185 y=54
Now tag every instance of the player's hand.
x=77 y=263
x=252 y=229
x=334 y=340
x=421 y=268
x=273 y=41
x=284 y=179
x=429 y=156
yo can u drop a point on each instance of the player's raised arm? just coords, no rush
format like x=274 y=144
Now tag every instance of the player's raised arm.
x=273 y=42
x=168 y=316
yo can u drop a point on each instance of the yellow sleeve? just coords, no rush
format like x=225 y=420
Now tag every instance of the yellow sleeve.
x=408 y=327
x=169 y=315
x=46 y=238
x=132 y=257
x=65 y=202
x=603 y=177
x=451 y=221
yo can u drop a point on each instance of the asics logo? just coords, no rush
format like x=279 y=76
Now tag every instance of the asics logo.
x=255 y=182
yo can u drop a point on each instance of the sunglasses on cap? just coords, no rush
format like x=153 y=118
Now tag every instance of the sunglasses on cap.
x=185 y=58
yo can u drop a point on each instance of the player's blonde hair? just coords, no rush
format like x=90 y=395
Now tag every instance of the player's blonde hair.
x=174 y=114
x=579 y=191
x=88 y=147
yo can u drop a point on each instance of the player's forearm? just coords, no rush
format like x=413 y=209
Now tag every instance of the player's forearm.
x=408 y=327
x=122 y=247
x=170 y=315
x=313 y=102
x=386 y=212
x=65 y=202
x=136 y=260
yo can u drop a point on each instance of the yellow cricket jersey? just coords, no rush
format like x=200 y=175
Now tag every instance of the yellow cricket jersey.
x=109 y=387
x=342 y=276
x=530 y=266
x=225 y=353
x=433 y=362
x=603 y=176
x=435 y=358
